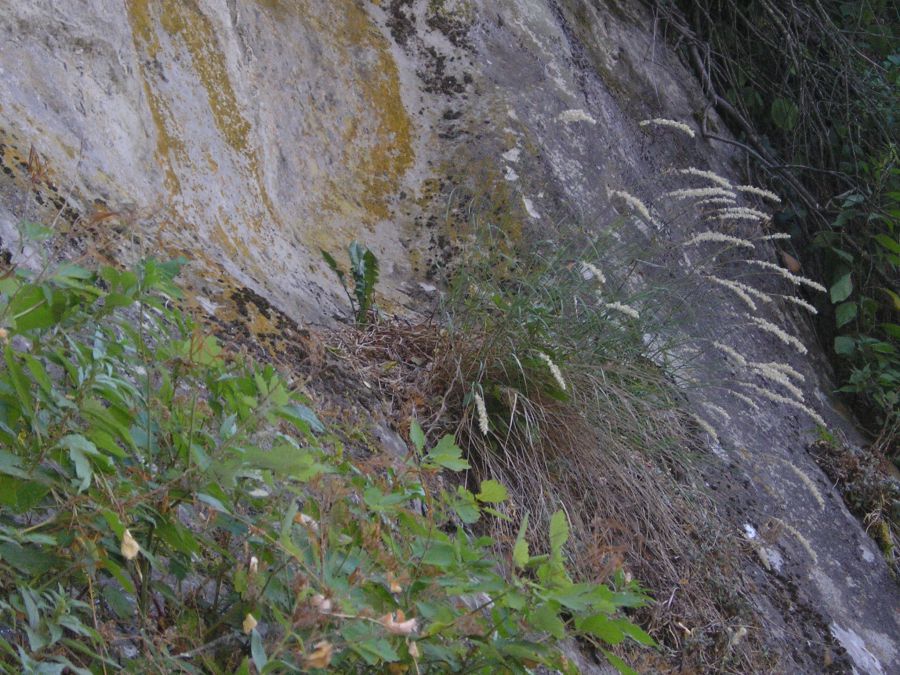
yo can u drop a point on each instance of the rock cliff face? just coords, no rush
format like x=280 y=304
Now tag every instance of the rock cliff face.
x=248 y=134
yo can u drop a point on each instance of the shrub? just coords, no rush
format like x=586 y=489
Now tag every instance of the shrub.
x=165 y=507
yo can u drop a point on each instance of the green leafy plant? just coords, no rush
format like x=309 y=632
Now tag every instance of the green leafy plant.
x=364 y=272
x=166 y=507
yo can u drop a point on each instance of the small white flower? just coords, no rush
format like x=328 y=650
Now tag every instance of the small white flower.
x=254 y=564
x=398 y=624
x=130 y=548
x=307 y=521
x=321 y=603
x=672 y=124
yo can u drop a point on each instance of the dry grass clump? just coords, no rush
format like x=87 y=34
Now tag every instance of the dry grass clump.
x=550 y=390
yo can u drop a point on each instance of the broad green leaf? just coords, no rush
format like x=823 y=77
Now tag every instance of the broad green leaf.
x=619 y=664
x=466 y=506
x=286 y=460
x=11 y=465
x=845 y=313
x=416 y=435
x=492 y=492
x=785 y=114
x=889 y=243
x=545 y=618
x=635 y=633
x=79 y=449
x=20 y=383
x=258 y=650
x=520 y=550
x=297 y=412
x=844 y=345
x=446 y=454
x=841 y=288
x=31 y=560
x=559 y=531
x=601 y=627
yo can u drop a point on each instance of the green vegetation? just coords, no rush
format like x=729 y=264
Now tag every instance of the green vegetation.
x=364 y=271
x=547 y=370
x=165 y=507
x=810 y=91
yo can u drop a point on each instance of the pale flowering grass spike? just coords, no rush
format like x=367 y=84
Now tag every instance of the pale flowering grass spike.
x=784 y=400
x=671 y=124
x=706 y=426
x=787 y=274
x=718 y=237
x=772 y=329
x=738 y=285
x=732 y=353
x=745 y=399
x=808 y=482
x=708 y=175
x=759 y=192
x=774 y=375
x=800 y=302
x=554 y=370
x=575 y=115
x=735 y=288
x=738 y=213
x=776 y=236
x=715 y=201
x=636 y=204
x=622 y=308
x=482 y=414
x=787 y=370
x=718 y=410
x=593 y=270
x=700 y=193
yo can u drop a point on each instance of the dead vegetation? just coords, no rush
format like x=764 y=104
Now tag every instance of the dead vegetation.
x=613 y=450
